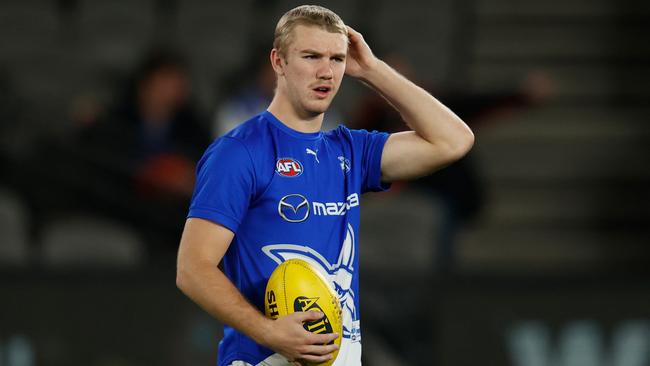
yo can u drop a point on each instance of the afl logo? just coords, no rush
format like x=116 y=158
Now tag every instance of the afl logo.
x=288 y=167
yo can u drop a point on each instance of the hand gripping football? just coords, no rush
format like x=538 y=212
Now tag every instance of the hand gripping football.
x=296 y=286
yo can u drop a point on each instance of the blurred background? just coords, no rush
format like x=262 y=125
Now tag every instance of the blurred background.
x=534 y=250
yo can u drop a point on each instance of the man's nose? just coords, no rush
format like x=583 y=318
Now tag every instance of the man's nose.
x=325 y=71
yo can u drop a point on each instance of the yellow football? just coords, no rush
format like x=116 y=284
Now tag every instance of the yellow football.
x=296 y=286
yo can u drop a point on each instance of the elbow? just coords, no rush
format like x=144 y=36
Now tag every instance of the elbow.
x=461 y=146
x=446 y=152
x=468 y=143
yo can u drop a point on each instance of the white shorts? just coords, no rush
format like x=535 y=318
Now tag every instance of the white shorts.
x=273 y=360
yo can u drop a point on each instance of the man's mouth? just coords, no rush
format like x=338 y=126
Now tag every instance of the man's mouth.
x=322 y=91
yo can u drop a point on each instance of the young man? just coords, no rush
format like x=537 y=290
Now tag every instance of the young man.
x=276 y=187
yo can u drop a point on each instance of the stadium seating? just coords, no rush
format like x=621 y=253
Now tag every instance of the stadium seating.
x=406 y=245
x=83 y=241
x=25 y=28
x=14 y=233
x=114 y=34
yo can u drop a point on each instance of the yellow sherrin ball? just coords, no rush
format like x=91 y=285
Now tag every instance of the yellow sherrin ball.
x=296 y=286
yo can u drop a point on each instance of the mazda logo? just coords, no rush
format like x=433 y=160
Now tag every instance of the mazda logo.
x=294 y=208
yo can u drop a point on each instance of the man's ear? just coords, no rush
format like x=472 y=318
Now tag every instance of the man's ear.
x=277 y=62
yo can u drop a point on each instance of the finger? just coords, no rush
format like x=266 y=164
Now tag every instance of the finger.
x=353 y=35
x=323 y=338
x=320 y=350
x=304 y=316
x=316 y=359
x=352 y=31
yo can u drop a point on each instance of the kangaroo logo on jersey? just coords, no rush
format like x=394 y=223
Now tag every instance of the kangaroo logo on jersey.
x=340 y=274
x=345 y=164
x=288 y=167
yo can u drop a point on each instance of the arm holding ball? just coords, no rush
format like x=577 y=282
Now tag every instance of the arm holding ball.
x=203 y=244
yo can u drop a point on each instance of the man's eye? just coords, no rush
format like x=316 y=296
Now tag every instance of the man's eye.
x=338 y=59
x=311 y=57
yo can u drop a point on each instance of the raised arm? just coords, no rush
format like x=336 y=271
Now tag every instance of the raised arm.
x=203 y=244
x=438 y=136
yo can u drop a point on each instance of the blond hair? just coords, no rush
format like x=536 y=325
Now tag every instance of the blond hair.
x=308 y=15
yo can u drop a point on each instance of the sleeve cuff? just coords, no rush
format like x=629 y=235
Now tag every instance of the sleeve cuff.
x=214 y=216
x=374 y=175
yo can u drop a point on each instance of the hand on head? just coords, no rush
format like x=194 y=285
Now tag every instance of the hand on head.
x=360 y=59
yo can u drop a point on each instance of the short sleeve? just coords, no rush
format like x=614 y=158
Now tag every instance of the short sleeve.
x=372 y=146
x=225 y=184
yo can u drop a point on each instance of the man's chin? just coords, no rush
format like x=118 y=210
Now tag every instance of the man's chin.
x=320 y=107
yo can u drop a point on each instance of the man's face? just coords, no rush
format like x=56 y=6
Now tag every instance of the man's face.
x=313 y=68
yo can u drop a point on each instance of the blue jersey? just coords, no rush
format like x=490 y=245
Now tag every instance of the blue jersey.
x=287 y=194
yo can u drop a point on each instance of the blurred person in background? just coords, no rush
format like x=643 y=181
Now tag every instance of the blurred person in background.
x=457 y=187
x=255 y=184
x=159 y=128
x=150 y=141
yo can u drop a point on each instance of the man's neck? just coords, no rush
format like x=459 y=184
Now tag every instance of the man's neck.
x=287 y=114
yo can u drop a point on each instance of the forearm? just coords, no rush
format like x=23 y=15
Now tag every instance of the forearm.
x=422 y=112
x=207 y=286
